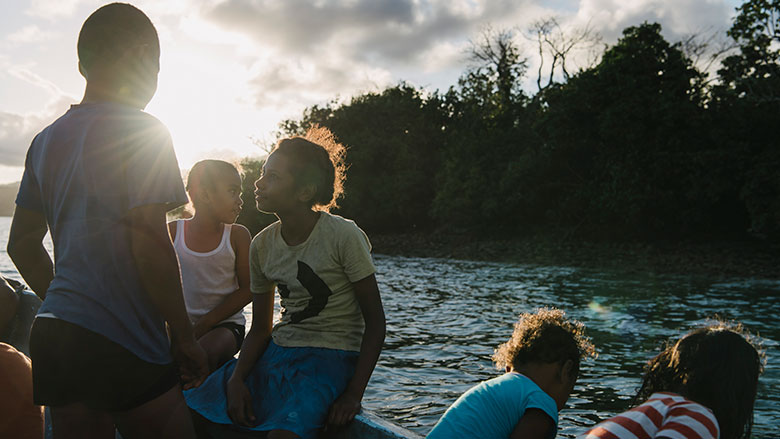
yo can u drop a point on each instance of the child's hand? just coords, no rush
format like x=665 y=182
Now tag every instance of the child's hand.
x=200 y=328
x=193 y=363
x=344 y=409
x=239 y=403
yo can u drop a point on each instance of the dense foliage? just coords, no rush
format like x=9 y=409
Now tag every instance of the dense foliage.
x=640 y=145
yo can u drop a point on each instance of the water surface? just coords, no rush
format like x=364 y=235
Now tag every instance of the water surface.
x=445 y=317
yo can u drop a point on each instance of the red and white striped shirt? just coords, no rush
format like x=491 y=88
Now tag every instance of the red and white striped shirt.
x=664 y=415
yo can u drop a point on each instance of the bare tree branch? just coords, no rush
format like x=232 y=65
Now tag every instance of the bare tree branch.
x=559 y=45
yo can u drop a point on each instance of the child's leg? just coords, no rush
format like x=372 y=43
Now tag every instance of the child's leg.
x=220 y=345
x=165 y=416
x=78 y=421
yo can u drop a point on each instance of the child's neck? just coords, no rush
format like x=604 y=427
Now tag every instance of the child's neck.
x=537 y=372
x=100 y=92
x=297 y=226
x=205 y=222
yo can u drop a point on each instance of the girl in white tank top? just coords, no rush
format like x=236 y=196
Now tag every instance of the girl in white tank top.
x=214 y=259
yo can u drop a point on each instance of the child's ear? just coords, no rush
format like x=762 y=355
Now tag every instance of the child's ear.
x=205 y=194
x=567 y=372
x=199 y=193
x=306 y=193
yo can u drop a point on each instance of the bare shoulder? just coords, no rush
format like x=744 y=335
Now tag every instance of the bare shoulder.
x=239 y=235
x=240 y=231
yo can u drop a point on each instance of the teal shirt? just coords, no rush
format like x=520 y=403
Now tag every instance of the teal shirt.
x=492 y=409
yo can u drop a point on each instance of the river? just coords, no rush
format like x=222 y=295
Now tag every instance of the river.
x=445 y=317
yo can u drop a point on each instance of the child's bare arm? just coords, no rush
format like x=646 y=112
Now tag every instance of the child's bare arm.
x=25 y=247
x=535 y=424
x=239 y=401
x=9 y=301
x=348 y=404
x=158 y=269
x=235 y=301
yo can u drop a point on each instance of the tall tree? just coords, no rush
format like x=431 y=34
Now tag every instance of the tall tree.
x=622 y=134
x=556 y=44
x=393 y=140
x=745 y=106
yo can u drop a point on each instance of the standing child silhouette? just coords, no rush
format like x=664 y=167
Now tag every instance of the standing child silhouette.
x=313 y=366
x=101 y=178
x=214 y=258
x=701 y=387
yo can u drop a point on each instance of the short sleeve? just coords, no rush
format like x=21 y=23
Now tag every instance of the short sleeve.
x=355 y=253
x=688 y=418
x=258 y=282
x=29 y=196
x=152 y=171
x=542 y=401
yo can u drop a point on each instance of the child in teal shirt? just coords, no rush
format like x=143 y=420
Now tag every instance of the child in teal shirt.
x=542 y=361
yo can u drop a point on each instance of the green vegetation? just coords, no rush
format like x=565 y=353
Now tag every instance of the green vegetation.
x=641 y=145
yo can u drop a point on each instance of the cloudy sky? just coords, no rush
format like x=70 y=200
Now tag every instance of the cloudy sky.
x=231 y=70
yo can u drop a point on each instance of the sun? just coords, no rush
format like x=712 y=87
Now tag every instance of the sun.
x=204 y=98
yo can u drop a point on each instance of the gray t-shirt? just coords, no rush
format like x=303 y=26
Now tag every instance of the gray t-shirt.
x=314 y=280
x=84 y=172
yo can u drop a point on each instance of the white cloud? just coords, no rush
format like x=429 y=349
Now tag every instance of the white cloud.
x=30 y=34
x=444 y=55
x=18 y=130
x=677 y=17
x=296 y=83
x=27 y=75
x=10 y=174
x=52 y=9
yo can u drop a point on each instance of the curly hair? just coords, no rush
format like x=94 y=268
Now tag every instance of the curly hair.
x=317 y=159
x=717 y=366
x=545 y=336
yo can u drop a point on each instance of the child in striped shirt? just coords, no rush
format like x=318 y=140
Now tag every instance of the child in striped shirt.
x=701 y=387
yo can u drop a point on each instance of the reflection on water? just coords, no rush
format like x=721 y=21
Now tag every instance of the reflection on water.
x=445 y=318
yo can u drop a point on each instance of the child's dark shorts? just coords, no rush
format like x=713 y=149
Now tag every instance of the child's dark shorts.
x=238 y=331
x=75 y=365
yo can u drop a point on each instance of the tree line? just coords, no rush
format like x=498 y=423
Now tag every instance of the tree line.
x=642 y=144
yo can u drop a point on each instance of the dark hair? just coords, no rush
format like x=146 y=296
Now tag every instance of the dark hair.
x=317 y=159
x=205 y=173
x=112 y=29
x=717 y=366
x=545 y=336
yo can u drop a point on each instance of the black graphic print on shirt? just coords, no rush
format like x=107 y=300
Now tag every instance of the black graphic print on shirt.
x=317 y=288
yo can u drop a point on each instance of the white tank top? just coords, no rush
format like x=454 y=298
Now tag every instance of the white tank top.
x=207 y=277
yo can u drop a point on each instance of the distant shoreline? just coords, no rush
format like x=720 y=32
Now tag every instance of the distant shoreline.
x=716 y=259
x=711 y=259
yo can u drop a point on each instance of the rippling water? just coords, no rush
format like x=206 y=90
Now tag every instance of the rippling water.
x=445 y=317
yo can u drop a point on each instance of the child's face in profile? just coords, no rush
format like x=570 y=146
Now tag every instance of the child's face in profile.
x=226 y=197
x=276 y=190
x=564 y=384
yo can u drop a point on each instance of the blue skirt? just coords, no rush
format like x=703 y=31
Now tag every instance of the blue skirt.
x=292 y=388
